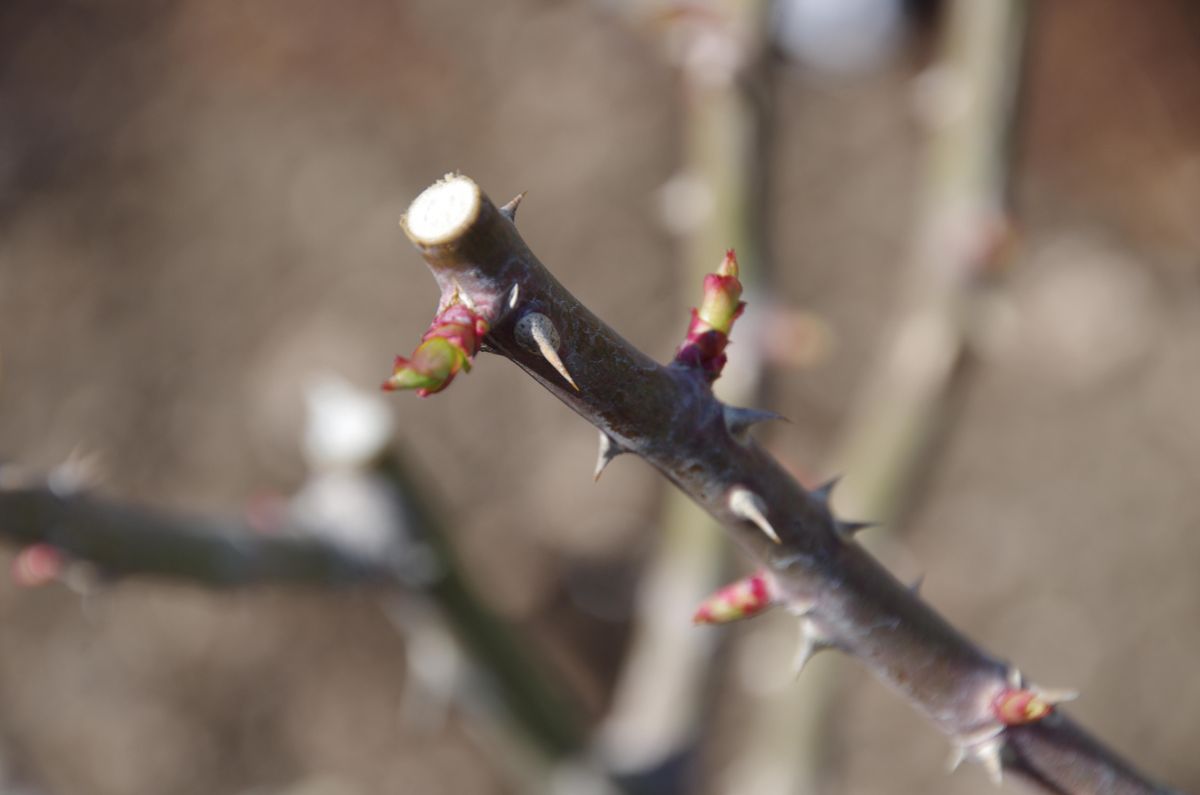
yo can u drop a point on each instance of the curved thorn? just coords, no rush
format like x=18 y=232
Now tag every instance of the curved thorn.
x=823 y=491
x=988 y=754
x=811 y=642
x=509 y=210
x=551 y=356
x=915 y=586
x=847 y=530
x=958 y=755
x=609 y=449
x=799 y=606
x=536 y=332
x=748 y=506
x=986 y=747
x=739 y=420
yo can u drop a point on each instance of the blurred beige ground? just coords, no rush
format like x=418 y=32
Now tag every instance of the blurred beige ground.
x=198 y=206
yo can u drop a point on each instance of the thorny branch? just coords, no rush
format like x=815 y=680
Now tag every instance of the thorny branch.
x=811 y=564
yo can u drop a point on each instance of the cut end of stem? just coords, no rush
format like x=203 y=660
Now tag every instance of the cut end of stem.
x=443 y=211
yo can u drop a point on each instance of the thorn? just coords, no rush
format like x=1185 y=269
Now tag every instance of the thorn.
x=509 y=210
x=800 y=607
x=822 y=492
x=988 y=754
x=536 y=332
x=609 y=449
x=748 y=506
x=846 y=530
x=739 y=420
x=915 y=586
x=986 y=747
x=811 y=642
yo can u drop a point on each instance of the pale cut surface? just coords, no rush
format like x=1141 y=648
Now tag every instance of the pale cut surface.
x=442 y=210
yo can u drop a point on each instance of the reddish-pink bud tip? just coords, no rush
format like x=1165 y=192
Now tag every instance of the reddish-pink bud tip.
x=36 y=565
x=708 y=333
x=747 y=597
x=1015 y=706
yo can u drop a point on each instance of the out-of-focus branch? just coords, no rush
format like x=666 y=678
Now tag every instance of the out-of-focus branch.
x=363 y=520
x=670 y=417
x=712 y=202
x=125 y=540
x=968 y=99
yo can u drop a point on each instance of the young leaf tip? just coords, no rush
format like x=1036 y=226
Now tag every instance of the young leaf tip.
x=729 y=265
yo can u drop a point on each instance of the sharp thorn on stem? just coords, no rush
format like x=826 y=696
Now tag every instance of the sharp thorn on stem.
x=985 y=747
x=740 y=420
x=823 y=492
x=609 y=449
x=509 y=210
x=749 y=507
x=811 y=642
x=988 y=754
x=537 y=333
x=847 y=530
x=915 y=586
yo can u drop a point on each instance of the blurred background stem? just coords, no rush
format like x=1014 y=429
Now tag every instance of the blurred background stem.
x=664 y=696
x=968 y=100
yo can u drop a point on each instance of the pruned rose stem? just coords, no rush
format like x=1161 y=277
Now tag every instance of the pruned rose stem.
x=669 y=416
